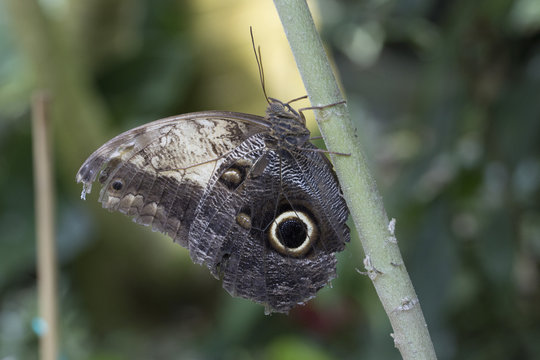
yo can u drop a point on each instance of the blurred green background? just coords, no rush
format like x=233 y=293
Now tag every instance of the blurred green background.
x=446 y=96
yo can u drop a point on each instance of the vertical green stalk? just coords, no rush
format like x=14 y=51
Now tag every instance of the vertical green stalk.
x=382 y=258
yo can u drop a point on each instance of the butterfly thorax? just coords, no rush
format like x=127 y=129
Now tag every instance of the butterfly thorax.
x=288 y=126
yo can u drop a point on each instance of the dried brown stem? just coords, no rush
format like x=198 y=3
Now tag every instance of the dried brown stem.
x=45 y=232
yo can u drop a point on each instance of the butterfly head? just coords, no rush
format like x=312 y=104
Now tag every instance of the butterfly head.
x=288 y=126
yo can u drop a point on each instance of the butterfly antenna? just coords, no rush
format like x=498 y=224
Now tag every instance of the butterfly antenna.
x=258 y=58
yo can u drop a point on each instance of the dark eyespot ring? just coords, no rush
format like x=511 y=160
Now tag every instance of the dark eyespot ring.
x=293 y=233
x=117 y=184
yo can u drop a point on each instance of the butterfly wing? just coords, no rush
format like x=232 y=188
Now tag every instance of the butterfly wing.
x=238 y=217
x=157 y=173
x=266 y=219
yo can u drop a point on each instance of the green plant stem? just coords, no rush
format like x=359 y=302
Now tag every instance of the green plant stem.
x=382 y=260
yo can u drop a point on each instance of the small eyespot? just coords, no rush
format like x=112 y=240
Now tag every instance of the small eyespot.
x=232 y=177
x=117 y=184
x=244 y=220
x=293 y=233
x=235 y=175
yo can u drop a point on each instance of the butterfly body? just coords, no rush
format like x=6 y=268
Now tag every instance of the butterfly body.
x=249 y=196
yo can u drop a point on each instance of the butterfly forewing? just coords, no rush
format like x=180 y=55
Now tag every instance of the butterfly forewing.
x=157 y=172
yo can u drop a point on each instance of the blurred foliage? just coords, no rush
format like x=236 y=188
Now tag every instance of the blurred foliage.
x=446 y=95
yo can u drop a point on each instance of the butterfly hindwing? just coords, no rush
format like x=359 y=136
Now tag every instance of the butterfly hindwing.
x=232 y=226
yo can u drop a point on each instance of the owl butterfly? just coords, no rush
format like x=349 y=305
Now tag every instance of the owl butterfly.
x=249 y=196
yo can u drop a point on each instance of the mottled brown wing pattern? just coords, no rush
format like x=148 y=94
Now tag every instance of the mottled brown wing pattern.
x=157 y=173
x=250 y=267
x=248 y=196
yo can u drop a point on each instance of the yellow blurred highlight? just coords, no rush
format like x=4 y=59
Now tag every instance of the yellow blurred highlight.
x=222 y=34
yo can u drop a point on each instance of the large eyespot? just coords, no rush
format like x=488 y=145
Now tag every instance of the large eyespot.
x=293 y=232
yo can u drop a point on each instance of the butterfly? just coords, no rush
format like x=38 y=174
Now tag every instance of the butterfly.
x=249 y=196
